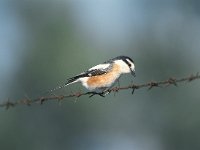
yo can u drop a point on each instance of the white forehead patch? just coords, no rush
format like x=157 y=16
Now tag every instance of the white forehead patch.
x=129 y=61
x=100 y=66
x=132 y=64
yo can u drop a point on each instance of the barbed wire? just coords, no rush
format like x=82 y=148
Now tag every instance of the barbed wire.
x=133 y=87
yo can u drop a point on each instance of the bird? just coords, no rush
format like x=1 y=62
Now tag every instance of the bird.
x=100 y=78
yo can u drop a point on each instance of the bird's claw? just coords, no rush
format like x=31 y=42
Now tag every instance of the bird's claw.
x=102 y=94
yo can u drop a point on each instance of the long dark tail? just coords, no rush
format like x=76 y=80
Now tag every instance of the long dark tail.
x=68 y=82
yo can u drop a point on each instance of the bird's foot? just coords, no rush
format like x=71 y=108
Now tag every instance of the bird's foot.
x=102 y=94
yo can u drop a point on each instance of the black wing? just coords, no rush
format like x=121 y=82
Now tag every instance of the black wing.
x=92 y=72
x=88 y=73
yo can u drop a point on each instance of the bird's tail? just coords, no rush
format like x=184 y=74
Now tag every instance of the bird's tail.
x=68 y=82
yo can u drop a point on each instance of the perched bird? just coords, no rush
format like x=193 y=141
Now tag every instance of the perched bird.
x=101 y=78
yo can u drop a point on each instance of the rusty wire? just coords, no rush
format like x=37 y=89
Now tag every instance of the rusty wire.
x=133 y=87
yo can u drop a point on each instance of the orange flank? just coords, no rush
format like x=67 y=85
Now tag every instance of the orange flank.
x=106 y=79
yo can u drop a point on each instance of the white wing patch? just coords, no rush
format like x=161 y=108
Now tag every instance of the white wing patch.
x=100 y=67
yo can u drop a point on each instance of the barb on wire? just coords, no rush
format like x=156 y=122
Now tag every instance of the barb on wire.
x=133 y=87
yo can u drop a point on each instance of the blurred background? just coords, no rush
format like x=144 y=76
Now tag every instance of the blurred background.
x=45 y=42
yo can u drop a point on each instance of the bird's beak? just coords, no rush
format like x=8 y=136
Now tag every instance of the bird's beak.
x=133 y=73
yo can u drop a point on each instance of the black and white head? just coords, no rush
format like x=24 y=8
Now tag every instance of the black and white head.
x=126 y=64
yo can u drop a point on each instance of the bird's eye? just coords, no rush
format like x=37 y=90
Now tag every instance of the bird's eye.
x=129 y=64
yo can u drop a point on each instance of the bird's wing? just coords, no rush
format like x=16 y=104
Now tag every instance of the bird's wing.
x=104 y=66
x=94 y=71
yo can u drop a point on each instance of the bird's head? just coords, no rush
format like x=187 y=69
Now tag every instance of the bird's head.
x=126 y=64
